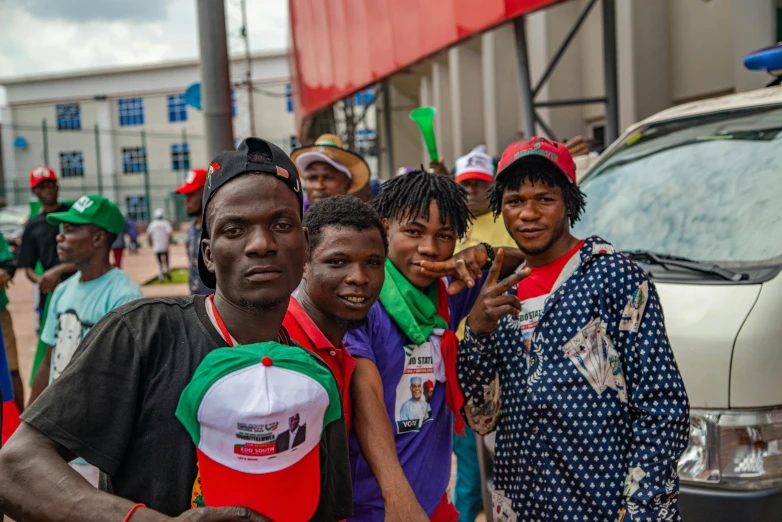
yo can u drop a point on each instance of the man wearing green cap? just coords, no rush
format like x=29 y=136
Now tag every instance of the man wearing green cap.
x=87 y=231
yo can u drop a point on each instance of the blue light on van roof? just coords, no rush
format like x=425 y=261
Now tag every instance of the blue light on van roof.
x=768 y=59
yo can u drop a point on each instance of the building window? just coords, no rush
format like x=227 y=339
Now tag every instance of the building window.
x=136 y=207
x=366 y=142
x=177 y=108
x=180 y=156
x=365 y=97
x=131 y=111
x=289 y=97
x=72 y=164
x=68 y=116
x=233 y=103
x=134 y=160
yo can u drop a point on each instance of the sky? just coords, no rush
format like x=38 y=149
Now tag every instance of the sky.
x=47 y=36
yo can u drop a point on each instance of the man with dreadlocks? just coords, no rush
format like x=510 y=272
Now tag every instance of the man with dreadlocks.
x=406 y=355
x=594 y=412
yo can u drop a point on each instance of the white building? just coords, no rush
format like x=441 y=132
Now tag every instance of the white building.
x=126 y=132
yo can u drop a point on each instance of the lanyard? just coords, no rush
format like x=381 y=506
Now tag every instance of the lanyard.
x=219 y=321
x=282 y=336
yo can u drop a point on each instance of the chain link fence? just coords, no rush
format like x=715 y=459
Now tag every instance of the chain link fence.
x=137 y=169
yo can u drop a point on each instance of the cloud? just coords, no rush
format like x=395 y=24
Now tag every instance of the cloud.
x=48 y=36
x=104 y=10
x=32 y=43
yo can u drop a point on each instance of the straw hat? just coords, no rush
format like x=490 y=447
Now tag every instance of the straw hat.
x=329 y=149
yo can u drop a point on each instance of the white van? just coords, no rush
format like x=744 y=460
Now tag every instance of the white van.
x=694 y=195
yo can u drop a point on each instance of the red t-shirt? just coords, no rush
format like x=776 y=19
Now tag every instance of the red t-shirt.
x=533 y=291
x=542 y=278
x=304 y=331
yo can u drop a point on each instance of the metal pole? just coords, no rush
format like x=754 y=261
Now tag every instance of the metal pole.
x=146 y=174
x=526 y=89
x=249 y=69
x=609 y=51
x=185 y=150
x=45 y=132
x=387 y=129
x=97 y=160
x=215 y=77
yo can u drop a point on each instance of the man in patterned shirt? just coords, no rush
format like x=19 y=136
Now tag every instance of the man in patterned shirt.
x=594 y=414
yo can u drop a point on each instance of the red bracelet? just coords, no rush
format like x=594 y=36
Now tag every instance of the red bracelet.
x=133 y=510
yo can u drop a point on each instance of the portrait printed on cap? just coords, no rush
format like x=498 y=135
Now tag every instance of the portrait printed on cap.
x=268 y=439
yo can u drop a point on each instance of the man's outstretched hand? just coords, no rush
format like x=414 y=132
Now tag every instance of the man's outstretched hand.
x=493 y=303
x=222 y=514
x=464 y=267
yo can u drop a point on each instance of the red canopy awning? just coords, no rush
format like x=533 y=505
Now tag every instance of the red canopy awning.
x=342 y=46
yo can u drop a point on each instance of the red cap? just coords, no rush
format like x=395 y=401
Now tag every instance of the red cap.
x=41 y=174
x=196 y=179
x=290 y=494
x=537 y=147
x=429 y=385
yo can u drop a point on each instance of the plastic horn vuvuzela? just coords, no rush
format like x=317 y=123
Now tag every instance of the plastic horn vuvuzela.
x=424 y=117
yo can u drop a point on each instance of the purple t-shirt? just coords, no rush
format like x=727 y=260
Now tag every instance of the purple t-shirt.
x=425 y=455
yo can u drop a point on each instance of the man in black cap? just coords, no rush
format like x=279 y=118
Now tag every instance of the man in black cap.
x=114 y=405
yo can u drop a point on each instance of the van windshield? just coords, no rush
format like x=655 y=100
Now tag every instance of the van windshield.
x=706 y=188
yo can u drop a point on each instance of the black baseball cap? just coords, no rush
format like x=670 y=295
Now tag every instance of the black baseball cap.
x=230 y=164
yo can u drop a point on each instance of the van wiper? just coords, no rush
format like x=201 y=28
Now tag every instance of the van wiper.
x=665 y=260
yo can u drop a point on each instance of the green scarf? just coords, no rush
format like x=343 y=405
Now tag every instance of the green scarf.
x=414 y=311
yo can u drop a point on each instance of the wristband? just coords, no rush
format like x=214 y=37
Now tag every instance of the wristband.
x=133 y=510
x=490 y=254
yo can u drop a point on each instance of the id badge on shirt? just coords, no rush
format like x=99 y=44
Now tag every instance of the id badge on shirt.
x=415 y=389
x=531 y=311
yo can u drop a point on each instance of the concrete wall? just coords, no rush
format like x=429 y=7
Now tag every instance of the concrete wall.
x=467 y=98
x=408 y=144
x=701 y=43
x=502 y=104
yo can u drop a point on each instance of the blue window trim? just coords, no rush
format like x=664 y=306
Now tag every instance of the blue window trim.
x=131 y=111
x=364 y=97
x=68 y=116
x=72 y=164
x=137 y=206
x=134 y=160
x=180 y=156
x=177 y=108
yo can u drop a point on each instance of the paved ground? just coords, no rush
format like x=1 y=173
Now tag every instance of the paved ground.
x=141 y=267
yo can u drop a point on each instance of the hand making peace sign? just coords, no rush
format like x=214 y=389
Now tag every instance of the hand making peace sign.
x=493 y=303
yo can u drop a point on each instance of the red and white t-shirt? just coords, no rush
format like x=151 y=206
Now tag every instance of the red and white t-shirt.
x=533 y=291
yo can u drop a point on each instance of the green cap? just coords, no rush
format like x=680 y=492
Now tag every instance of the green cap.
x=91 y=210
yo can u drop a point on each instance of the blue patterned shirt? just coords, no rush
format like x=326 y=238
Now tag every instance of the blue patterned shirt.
x=592 y=427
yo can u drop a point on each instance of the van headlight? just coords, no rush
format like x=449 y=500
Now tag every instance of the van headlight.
x=734 y=449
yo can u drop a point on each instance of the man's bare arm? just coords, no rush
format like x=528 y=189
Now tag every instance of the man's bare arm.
x=32 y=276
x=38 y=485
x=376 y=439
x=41 y=378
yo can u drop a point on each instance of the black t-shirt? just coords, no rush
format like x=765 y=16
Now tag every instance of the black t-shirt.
x=39 y=242
x=114 y=406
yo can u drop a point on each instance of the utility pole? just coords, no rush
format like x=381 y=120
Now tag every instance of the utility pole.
x=215 y=77
x=248 y=69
